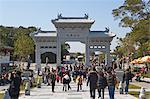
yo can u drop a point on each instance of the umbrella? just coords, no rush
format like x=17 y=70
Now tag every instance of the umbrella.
x=145 y=59
x=139 y=61
x=136 y=61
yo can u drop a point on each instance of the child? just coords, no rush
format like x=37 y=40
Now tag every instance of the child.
x=79 y=82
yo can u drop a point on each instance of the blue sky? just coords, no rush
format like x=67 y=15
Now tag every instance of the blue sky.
x=40 y=12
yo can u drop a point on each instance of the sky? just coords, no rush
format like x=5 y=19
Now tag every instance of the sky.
x=39 y=13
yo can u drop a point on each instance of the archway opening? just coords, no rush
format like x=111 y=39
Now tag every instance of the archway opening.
x=51 y=57
x=76 y=52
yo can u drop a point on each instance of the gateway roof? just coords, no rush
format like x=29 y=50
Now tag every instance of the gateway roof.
x=62 y=19
x=44 y=34
x=101 y=34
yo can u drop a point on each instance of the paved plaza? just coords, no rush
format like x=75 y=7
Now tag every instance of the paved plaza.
x=45 y=93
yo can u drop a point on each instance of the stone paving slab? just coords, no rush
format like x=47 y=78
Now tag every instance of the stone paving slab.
x=45 y=93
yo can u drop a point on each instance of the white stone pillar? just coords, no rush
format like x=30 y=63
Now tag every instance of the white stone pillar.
x=107 y=55
x=37 y=58
x=87 y=53
x=105 y=58
x=58 y=52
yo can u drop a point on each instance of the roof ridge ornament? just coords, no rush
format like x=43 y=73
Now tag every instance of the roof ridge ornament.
x=39 y=29
x=86 y=16
x=107 y=29
x=59 y=15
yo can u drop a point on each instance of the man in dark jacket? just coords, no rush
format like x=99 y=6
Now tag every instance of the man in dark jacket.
x=126 y=78
x=111 y=79
x=102 y=83
x=14 y=88
x=92 y=79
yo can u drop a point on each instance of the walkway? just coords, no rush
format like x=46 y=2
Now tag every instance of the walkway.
x=141 y=84
x=45 y=93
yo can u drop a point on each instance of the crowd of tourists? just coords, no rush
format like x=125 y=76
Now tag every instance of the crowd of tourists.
x=65 y=74
x=96 y=77
x=106 y=77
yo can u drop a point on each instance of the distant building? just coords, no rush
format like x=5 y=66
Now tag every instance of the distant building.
x=5 y=58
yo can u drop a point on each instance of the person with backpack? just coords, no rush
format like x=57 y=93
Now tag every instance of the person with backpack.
x=101 y=83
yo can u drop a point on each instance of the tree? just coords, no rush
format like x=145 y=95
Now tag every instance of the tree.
x=5 y=36
x=131 y=12
x=9 y=35
x=23 y=46
x=135 y=14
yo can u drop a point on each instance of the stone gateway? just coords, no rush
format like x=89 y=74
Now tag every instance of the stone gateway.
x=72 y=29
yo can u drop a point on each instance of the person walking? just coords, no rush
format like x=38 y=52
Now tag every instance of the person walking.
x=65 y=81
x=69 y=87
x=126 y=78
x=111 y=79
x=79 y=82
x=48 y=77
x=92 y=80
x=53 y=79
x=14 y=87
x=102 y=83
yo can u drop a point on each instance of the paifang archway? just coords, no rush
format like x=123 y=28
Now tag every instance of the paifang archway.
x=72 y=29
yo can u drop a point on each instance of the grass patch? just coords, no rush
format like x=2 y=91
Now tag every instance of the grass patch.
x=131 y=86
x=136 y=94
x=147 y=75
x=1 y=95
